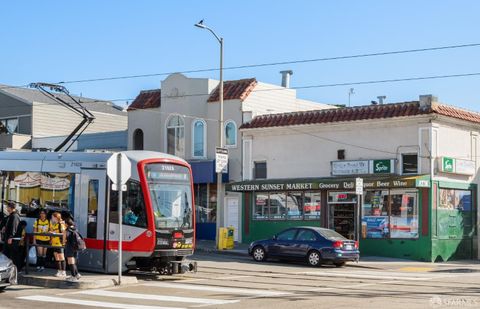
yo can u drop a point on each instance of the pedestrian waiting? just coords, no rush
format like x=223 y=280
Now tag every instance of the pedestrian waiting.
x=73 y=243
x=13 y=236
x=41 y=225
x=57 y=225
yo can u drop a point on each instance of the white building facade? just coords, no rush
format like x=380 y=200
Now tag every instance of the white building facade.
x=418 y=160
x=181 y=118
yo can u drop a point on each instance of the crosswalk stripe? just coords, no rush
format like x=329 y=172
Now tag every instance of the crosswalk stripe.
x=158 y=297
x=90 y=303
x=211 y=288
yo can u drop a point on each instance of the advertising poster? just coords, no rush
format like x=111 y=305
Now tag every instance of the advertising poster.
x=404 y=227
x=377 y=226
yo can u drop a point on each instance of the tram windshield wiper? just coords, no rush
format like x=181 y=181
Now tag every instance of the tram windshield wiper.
x=52 y=91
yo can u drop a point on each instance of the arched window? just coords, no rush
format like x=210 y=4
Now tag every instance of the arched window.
x=176 y=136
x=199 y=138
x=230 y=133
x=138 y=139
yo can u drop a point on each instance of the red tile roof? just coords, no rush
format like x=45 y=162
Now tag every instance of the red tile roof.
x=234 y=90
x=146 y=99
x=366 y=112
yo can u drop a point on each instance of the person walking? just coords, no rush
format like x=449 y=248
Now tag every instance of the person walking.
x=57 y=225
x=71 y=249
x=13 y=235
x=41 y=225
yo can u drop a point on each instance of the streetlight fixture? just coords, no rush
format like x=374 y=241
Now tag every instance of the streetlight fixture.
x=219 y=215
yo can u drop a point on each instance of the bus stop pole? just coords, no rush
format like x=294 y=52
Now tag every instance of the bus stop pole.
x=120 y=219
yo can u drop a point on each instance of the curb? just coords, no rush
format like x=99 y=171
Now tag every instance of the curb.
x=227 y=252
x=63 y=284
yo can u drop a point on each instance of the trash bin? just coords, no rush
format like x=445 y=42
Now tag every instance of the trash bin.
x=230 y=238
x=222 y=238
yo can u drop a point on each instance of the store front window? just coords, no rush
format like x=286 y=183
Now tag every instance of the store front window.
x=456 y=214
x=390 y=214
x=205 y=203
x=295 y=205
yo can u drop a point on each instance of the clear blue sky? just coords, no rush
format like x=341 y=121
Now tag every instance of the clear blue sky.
x=69 y=40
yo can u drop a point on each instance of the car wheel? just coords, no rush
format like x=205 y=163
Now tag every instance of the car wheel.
x=314 y=258
x=339 y=264
x=2 y=288
x=259 y=254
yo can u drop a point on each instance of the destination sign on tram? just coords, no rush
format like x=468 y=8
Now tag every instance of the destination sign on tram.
x=167 y=172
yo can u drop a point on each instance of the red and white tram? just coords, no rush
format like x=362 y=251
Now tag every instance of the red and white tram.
x=158 y=207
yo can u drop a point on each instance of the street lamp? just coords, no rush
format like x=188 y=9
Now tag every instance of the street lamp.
x=219 y=215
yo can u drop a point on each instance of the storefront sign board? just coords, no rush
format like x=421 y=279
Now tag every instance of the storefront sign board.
x=456 y=166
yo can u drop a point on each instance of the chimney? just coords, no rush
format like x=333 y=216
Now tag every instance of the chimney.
x=286 y=78
x=381 y=99
x=426 y=101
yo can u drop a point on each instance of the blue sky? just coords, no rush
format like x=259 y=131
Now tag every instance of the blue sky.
x=69 y=40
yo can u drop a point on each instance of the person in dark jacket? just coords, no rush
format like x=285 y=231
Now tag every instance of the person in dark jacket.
x=13 y=236
x=71 y=252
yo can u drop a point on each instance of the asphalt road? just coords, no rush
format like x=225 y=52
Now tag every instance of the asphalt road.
x=237 y=282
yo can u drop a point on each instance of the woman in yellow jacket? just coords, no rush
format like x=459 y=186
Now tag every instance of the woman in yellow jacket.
x=41 y=225
x=57 y=225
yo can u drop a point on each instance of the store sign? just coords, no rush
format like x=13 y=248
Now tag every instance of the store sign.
x=362 y=167
x=342 y=168
x=456 y=166
x=348 y=185
x=382 y=166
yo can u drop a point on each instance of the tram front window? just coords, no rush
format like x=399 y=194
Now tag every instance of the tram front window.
x=171 y=195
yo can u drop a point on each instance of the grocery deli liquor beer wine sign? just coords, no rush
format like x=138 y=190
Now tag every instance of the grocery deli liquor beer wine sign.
x=300 y=185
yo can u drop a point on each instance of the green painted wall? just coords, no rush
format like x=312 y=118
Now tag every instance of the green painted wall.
x=266 y=229
x=411 y=249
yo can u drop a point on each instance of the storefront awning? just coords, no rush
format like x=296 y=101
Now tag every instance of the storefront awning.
x=204 y=172
x=330 y=183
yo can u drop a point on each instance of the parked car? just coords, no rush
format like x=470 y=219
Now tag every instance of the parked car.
x=8 y=272
x=314 y=245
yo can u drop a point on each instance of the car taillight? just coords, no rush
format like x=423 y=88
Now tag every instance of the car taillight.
x=337 y=244
x=177 y=235
x=356 y=244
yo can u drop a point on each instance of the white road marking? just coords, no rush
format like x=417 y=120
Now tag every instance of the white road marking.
x=91 y=303
x=158 y=297
x=212 y=288
x=232 y=277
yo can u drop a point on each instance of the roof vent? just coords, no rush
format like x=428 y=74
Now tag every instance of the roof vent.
x=381 y=99
x=286 y=78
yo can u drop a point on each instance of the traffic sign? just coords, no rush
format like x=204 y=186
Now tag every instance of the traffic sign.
x=359 y=186
x=221 y=160
x=114 y=167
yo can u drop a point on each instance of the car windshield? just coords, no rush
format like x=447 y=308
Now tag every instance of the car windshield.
x=331 y=235
x=171 y=195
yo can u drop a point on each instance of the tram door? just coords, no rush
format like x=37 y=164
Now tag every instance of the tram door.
x=90 y=215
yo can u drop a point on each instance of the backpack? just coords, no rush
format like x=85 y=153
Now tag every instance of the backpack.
x=78 y=243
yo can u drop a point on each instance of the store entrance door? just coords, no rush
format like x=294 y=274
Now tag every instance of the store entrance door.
x=342 y=213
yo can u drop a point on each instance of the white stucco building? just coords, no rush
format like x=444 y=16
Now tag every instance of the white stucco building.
x=419 y=161
x=181 y=118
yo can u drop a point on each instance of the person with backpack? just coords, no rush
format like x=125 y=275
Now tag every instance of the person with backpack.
x=41 y=225
x=57 y=225
x=74 y=243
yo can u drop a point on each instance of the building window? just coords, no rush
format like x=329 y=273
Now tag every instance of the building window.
x=260 y=210
x=138 y=139
x=260 y=170
x=176 y=136
x=410 y=163
x=9 y=125
x=230 y=133
x=199 y=141
x=312 y=205
x=390 y=214
x=295 y=205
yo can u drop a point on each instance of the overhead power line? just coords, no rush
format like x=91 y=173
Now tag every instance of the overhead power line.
x=258 y=65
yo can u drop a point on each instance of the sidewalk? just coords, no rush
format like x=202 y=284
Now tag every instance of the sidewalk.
x=88 y=280
x=373 y=262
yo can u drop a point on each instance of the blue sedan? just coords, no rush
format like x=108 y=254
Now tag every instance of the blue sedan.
x=314 y=245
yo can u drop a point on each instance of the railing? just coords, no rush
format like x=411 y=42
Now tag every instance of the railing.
x=28 y=245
